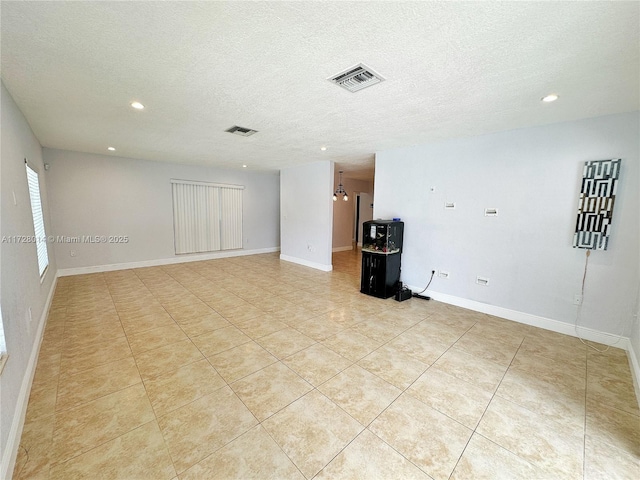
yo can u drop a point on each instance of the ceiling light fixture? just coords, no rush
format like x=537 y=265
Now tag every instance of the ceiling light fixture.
x=244 y=166
x=323 y=148
x=111 y=149
x=340 y=191
x=137 y=105
x=550 y=98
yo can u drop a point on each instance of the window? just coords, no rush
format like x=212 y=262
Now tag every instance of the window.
x=206 y=216
x=38 y=221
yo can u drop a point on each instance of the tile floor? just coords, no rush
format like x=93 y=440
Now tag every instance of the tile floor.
x=252 y=367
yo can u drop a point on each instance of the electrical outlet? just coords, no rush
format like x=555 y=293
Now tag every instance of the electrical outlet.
x=72 y=253
x=577 y=299
x=30 y=315
x=443 y=274
x=484 y=281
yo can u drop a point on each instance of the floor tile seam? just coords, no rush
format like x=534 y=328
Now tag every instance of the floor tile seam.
x=157 y=297
x=226 y=349
x=546 y=416
x=407 y=392
x=67 y=347
x=262 y=336
x=82 y=370
x=395 y=450
x=533 y=465
x=509 y=346
x=248 y=374
x=435 y=367
x=93 y=399
x=567 y=381
x=375 y=340
x=622 y=452
x=339 y=452
x=493 y=396
x=335 y=351
x=79 y=452
x=122 y=324
x=547 y=356
x=29 y=419
x=462 y=452
x=171 y=342
x=549 y=421
x=609 y=407
x=281 y=449
x=624 y=380
x=599 y=371
x=506 y=364
x=584 y=425
x=174 y=409
x=151 y=377
x=315 y=342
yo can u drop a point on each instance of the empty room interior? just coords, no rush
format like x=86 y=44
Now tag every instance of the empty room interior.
x=320 y=239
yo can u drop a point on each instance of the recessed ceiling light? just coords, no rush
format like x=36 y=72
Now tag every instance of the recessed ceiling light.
x=323 y=148
x=137 y=105
x=244 y=166
x=550 y=98
x=111 y=149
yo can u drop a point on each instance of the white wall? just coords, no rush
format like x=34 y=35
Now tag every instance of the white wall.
x=20 y=286
x=107 y=195
x=533 y=177
x=344 y=212
x=306 y=214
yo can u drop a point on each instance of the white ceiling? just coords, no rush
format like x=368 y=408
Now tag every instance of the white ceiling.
x=452 y=70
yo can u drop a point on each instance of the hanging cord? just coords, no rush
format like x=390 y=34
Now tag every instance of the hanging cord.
x=433 y=272
x=584 y=279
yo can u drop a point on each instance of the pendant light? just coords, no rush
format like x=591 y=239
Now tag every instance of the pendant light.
x=340 y=191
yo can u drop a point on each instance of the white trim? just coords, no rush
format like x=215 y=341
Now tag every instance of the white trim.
x=195 y=257
x=307 y=263
x=342 y=249
x=529 y=319
x=207 y=184
x=635 y=370
x=13 y=440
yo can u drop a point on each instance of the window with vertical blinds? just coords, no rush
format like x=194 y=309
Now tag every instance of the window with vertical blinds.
x=38 y=221
x=206 y=216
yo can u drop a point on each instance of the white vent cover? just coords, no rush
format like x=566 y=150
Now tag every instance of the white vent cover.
x=356 y=78
x=244 y=132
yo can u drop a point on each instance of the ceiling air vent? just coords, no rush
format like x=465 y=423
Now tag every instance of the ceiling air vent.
x=244 y=132
x=356 y=78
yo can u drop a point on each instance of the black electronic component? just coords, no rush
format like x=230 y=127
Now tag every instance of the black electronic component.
x=381 y=253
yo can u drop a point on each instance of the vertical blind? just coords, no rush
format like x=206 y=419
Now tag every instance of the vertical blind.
x=206 y=216
x=38 y=222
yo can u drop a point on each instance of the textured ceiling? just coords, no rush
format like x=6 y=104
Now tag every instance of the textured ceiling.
x=452 y=70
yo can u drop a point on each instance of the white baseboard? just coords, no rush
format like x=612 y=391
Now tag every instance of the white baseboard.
x=549 y=324
x=342 y=249
x=635 y=370
x=13 y=440
x=533 y=320
x=196 y=257
x=307 y=263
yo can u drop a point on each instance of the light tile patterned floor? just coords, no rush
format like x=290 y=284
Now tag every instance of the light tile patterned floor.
x=252 y=367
